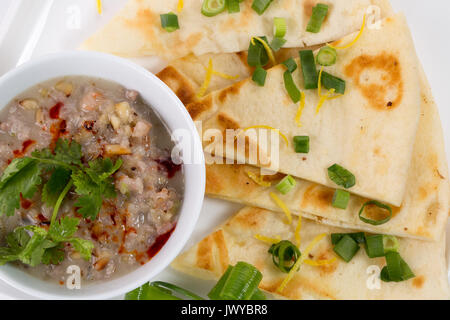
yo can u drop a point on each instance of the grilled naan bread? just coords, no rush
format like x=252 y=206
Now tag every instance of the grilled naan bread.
x=370 y=130
x=235 y=241
x=424 y=208
x=136 y=30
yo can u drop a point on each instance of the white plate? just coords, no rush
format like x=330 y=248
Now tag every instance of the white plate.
x=30 y=28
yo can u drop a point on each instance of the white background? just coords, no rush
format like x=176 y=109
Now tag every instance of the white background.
x=30 y=28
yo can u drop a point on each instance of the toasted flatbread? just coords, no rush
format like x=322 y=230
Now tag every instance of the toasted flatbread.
x=136 y=30
x=370 y=130
x=424 y=209
x=358 y=279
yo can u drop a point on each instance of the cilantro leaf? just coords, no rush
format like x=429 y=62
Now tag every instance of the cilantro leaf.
x=89 y=205
x=55 y=185
x=100 y=169
x=22 y=176
x=54 y=255
x=93 y=184
x=68 y=151
x=25 y=248
x=63 y=229
x=84 y=247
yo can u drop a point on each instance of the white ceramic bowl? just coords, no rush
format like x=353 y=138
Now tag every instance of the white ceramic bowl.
x=175 y=116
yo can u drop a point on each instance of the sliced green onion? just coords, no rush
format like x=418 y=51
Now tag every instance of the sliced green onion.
x=390 y=244
x=214 y=294
x=327 y=56
x=286 y=184
x=261 y=5
x=331 y=82
x=259 y=76
x=211 y=8
x=257 y=55
x=310 y=75
x=319 y=12
x=241 y=283
x=301 y=144
x=160 y=291
x=149 y=292
x=291 y=88
x=258 y=295
x=290 y=65
x=341 y=199
x=277 y=43
x=374 y=246
x=233 y=6
x=359 y=237
x=177 y=289
x=279 y=27
x=169 y=22
x=346 y=248
x=396 y=269
x=379 y=205
x=284 y=255
x=341 y=176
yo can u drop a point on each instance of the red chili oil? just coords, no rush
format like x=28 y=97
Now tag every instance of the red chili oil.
x=159 y=243
x=54 y=111
x=169 y=166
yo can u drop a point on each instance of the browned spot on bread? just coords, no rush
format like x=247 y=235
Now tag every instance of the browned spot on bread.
x=214 y=179
x=432 y=213
x=252 y=218
x=317 y=197
x=327 y=268
x=274 y=177
x=227 y=122
x=418 y=282
x=178 y=83
x=195 y=109
x=219 y=241
x=308 y=6
x=302 y=284
x=377 y=91
x=205 y=253
x=146 y=22
x=231 y=90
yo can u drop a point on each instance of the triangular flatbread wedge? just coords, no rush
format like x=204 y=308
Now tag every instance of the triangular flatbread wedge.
x=424 y=209
x=235 y=241
x=370 y=130
x=136 y=31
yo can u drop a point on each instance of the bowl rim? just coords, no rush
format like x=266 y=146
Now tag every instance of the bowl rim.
x=194 y=175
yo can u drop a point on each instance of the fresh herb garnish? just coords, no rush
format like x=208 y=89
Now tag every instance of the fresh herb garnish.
x=239 y=282
x=284 y=255
x=33 y=245
x=341 y=176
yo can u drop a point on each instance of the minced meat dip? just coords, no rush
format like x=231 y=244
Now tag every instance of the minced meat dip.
x=109 y=122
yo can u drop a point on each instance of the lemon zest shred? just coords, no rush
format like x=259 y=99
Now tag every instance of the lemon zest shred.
x=319 y=263
x=99 y=6
x=268 y=240
x=283 y=207
x=223 y=75
x=301 y=106
x=267 y=48
x=326 y=97
x=297 y=231
x=354 y=40
x=258 y=179
x=269 y=128
x=204 y=87
x=297 y=264
x=180 y=5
